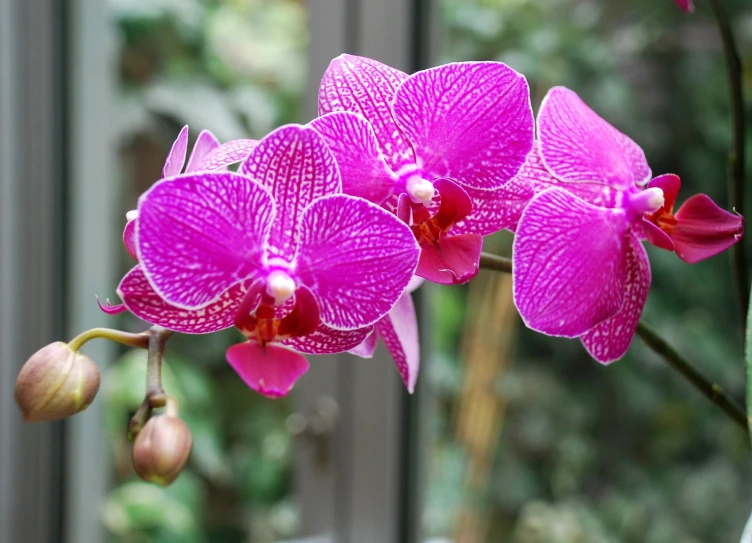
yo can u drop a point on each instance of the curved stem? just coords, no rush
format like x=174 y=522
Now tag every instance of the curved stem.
x=736 y=156
x=140 y=341
x=158 y=337
x=710 y=390
x=495 y=262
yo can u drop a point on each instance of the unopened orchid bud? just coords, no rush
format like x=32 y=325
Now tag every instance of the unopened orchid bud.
x=56 y=382
x=162 y=449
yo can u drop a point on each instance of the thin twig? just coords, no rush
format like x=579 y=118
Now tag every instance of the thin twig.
x=736 y=156
x=710 y=390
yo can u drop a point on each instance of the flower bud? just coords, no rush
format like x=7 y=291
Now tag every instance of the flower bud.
x=162 y=449
x=55 y=383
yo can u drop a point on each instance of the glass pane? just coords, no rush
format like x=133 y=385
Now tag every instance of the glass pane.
x=531 y=440
x=238 y=69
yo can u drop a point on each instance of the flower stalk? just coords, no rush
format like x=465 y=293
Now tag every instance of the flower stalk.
x=736 y=156
x=155 y=395
x=714 y=392
x=496 y=263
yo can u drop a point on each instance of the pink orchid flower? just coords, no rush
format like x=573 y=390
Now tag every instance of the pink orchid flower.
x=686 y=5
x=443 y=146
x=207 y=155
x=579 y=266
x=276 y=250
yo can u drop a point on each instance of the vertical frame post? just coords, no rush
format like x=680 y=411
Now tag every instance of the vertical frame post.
x=31 y=242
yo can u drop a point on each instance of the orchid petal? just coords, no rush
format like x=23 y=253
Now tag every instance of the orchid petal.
x=129 y=238
x=176 y=157
x=111 y=309
x=199 y=234
x=568 y=264
x=534 y=172
x=609 y=340
x=656 y=236
x=326 y=340
x=415 y=283
x=356 y=258
x=361 y=164
x=304 y=318
x=367 y=347
x=578 y=146
x=494 y=210
x=399 y=331
x=245 y=320
x=703 y=229
x=271 y=370
x=670 y=184
x=205 y=144
x=452 y=260
x=226 y=154
x=141 y=300
x=455 y=203
x=471 y=121
x=297 y=167
x=365 y=86
x=404 y=209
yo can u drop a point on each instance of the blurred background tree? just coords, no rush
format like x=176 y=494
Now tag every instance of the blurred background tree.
x=578 y=453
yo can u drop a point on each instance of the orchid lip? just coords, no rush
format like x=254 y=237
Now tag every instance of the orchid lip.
x=280 y=285
x=131 y=215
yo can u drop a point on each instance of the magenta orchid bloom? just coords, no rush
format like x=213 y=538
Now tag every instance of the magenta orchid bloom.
x=276 y=250
x=686 y=5
x=442 y=147
x=579 y=266
x=207 y=155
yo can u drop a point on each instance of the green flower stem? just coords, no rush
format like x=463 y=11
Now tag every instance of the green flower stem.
x=158 y=337
x=712 y=391
x=736 y=156
x=140 y=341
x=155 y=394
x=496 y=263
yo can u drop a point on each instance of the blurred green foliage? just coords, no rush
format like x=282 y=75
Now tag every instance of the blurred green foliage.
x=629 y=453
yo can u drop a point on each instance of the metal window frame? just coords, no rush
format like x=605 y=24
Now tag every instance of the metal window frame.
x=93 y=245
x=31 y=243
x=372 y=491
x=54 y=202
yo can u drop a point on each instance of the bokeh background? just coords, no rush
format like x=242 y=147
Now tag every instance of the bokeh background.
x=523 y=438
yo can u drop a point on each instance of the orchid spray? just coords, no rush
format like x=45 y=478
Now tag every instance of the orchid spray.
x=314 y=243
